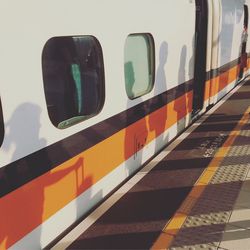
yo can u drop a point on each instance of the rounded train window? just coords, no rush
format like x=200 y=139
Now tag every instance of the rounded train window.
x=139 y=64
x=73 y=76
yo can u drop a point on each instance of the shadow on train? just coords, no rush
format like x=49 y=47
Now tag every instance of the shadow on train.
x=153 y=126
x=157 y=120
x=183 y=108
x=44 y=195
x=135 y=136
x=229 y=16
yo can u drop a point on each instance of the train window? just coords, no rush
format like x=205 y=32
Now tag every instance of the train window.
x=139 y=64
x=73 y=76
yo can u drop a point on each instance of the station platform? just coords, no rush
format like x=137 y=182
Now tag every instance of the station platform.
x=194 y=195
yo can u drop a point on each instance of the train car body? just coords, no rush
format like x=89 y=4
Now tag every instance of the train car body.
x=91 y=90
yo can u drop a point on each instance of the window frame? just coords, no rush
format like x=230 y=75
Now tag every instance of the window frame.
x=100 y=91
x=151 y=62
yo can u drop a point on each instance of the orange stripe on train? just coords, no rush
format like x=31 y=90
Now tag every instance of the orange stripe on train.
x=27 y=207
x=216 y=84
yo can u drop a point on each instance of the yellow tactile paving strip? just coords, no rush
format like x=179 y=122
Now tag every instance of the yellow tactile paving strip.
x=174 y=225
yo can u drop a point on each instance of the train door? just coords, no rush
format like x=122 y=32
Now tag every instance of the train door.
x=243 y=55
x=200 y=55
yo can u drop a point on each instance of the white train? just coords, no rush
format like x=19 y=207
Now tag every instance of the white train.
x=91 y=90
